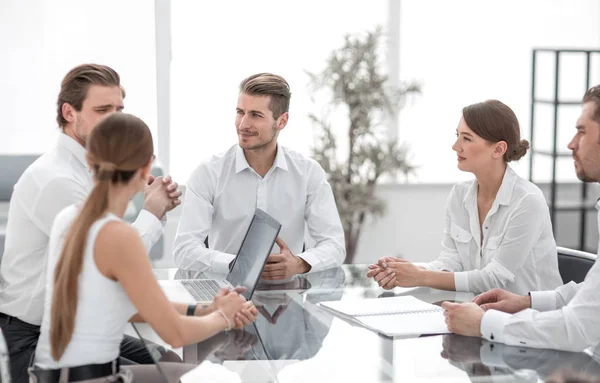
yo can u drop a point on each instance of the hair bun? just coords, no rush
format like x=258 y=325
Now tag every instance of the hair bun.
x=519 y=151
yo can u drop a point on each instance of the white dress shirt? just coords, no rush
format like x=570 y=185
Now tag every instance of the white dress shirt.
x=59 y=178
x=223 y=193
x=563 y=319
x=517 y=251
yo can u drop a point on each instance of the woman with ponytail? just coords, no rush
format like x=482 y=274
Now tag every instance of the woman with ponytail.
x=498 y=231
x=99 y=276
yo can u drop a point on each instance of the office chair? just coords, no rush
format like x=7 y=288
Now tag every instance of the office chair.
x=4 y=360
x=573 y=265
x=12 y=167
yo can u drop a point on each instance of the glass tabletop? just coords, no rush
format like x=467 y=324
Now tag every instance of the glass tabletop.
x=294 y=340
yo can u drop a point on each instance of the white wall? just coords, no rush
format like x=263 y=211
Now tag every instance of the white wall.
x=462 y=51
x=42 y=40
x=467 y=51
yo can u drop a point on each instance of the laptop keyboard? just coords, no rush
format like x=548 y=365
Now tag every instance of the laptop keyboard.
x=201 y=289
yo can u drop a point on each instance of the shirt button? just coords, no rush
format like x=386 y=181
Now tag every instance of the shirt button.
x=486 y=227
x=492 y=336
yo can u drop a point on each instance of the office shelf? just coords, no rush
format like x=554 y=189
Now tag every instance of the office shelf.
x=584 y=204
x=549 y=153
x=552 y=102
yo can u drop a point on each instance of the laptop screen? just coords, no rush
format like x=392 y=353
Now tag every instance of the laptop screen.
x=255 y=250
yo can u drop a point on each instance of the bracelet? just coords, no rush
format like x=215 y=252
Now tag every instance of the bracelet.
x=226 y=319
x=191 y=309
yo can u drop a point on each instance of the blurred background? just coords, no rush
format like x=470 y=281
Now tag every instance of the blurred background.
x=181 y=62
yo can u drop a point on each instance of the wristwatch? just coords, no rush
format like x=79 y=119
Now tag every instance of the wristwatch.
x=191 y=309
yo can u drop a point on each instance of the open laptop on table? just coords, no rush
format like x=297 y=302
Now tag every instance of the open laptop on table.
x=246 y=270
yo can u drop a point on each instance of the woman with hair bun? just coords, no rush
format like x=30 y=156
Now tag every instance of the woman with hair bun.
x=498 y=231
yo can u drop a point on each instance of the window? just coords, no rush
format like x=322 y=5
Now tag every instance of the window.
x=50 y=38
x=218 y=44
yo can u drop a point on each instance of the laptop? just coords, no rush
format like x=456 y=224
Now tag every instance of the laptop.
x=245 y=271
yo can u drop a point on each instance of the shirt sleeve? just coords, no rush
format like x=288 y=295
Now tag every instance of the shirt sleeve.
x=189 y=249
x=449 y=259
x=324 y=225
x=56 y=195
x=524 y=229
x=574 y=327
x=149 y=227
x=553 y=299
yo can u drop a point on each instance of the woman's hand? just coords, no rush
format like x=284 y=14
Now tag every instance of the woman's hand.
x=406 y=273
x=245 y=316
x=229 y=305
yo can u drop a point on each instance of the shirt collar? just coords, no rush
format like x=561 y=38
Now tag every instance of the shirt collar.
x=73 y=147
x=241 y=162
x=505 y=191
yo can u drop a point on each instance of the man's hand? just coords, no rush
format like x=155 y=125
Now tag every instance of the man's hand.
x=460 y=348
x=502 y=300
x=463 y=318
x=284 y=265
x=161 y=196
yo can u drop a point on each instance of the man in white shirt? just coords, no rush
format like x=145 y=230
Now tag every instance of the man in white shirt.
x=565 y=318
x=60 y=178
x=223 y=193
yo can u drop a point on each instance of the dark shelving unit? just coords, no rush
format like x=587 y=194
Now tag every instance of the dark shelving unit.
x=583 y=204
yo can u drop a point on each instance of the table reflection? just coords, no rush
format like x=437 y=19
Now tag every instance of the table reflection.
x=479 y=357
x=294 y=340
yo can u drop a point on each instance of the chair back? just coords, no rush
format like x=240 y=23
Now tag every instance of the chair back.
x=574 y=265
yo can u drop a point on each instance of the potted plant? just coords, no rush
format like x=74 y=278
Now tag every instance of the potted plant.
x=357 y=90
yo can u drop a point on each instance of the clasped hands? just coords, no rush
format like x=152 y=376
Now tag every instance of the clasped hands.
x=390 y=272
x=239 y=311
x=161 y=195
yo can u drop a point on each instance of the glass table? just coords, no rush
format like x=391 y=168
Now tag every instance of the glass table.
x=294 y=340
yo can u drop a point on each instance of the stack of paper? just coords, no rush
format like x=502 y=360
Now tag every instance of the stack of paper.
x=393 y=316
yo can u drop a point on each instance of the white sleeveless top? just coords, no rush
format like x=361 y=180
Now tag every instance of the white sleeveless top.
x=103 y=308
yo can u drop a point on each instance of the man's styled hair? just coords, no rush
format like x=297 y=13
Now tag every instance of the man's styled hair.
x=268 y=84
x=593 y=95
x=75 y=85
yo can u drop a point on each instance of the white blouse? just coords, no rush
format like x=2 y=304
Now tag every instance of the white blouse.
x=516 y=252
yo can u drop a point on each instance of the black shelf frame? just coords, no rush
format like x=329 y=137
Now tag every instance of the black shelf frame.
x=584 y=205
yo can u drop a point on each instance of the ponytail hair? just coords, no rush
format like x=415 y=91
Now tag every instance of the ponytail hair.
x=118 y=147
x=68 y=268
